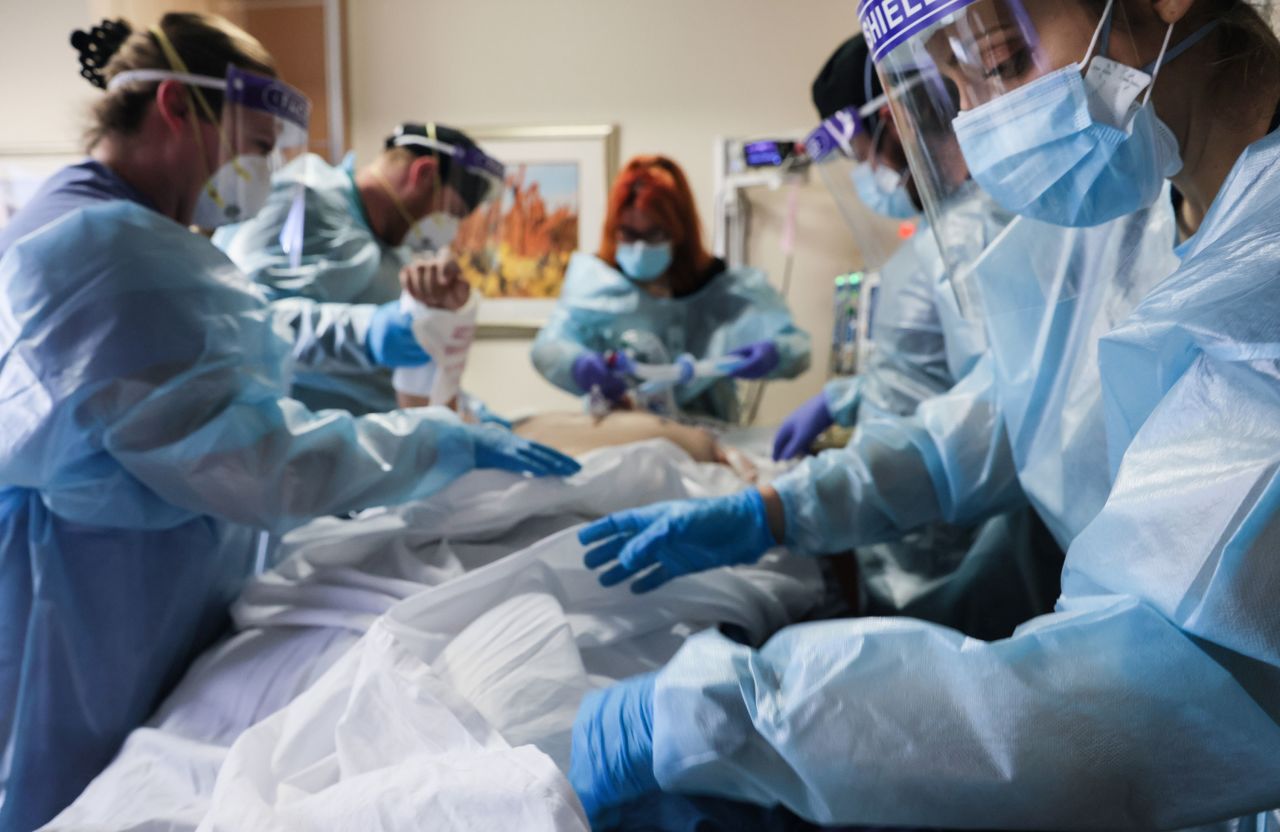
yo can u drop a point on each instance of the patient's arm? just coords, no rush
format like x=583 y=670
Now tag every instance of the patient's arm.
x=406 y=400
x=577 y=433
x=436 y=283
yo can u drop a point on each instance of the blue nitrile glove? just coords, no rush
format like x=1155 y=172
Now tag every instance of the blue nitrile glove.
x=499 y=448
x=480 y=411
x=390 y=341
x=488 y=417
x=612 y=758
x=591 y=369
x=681 y=537
x=757 y=360
x=801 y=428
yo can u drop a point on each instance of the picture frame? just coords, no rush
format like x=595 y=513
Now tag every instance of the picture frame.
x=561 y=177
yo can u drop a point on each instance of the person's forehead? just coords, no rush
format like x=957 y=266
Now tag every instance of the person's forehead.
x=634 y=216
x=981 y=20
x=257 y=122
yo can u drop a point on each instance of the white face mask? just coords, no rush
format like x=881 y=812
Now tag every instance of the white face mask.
x=435 y=232
x=236 y=192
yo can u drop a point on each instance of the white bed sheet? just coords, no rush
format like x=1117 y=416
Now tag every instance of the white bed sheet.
x=421 y=666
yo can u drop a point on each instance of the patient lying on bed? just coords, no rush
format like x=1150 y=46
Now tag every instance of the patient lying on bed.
x=426 y=660
x=580 y=433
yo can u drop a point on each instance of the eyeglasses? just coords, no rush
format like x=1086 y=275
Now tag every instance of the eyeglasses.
x=654 y=236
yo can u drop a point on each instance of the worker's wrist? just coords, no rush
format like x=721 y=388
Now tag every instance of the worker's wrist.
x=775 y=513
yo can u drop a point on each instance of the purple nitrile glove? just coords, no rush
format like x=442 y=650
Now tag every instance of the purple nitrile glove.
x=591 y=369
x=757 y=360
x=801 y=428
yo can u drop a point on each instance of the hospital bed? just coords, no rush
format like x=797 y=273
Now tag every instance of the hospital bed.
x=421 y=666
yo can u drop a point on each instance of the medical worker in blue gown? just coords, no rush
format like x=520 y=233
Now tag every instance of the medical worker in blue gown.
x=361 y=229
x=150 y=451
x=985 y=579
x=653 y=289
x=1138 y=394
x=859 y=157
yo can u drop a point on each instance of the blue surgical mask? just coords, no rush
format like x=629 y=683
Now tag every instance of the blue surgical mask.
x=644 y=262
x=883 y=190
x=1058 y=151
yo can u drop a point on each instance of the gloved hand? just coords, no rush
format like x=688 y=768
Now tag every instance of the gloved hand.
x=758 y=360
x=806 y=424
x=591 y=369
x=612 y=758
x=681 y=537
x=501 y=449
x=390 y=341
x=488 y=417
x=436 y=282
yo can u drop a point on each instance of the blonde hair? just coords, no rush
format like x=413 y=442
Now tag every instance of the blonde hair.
x=207 y=43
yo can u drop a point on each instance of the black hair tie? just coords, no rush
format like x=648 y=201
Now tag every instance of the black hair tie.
x=97 y=46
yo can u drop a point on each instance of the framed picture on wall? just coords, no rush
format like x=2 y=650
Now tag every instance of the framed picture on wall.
x=553 y=204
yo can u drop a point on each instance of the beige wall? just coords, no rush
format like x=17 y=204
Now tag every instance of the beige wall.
x=42 y=96
x=672 y=74
x=823 y=251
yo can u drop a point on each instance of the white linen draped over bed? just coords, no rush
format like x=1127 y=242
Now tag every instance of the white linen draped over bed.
x=420 y=667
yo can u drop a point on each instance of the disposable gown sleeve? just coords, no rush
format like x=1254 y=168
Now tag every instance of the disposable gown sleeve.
x=558 y=345
x=326 y=337
x=909 y=362
x=765 y=316
x=212 y=446
x=951 y=461
x=340 y=257
x=749 y=312
x=843 y=395
x=1150 y=699
x=313 y=296
x=147 y=364
x=794 y=350
x=211 y=429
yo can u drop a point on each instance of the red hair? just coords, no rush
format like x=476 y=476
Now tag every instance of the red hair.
x=657 y=186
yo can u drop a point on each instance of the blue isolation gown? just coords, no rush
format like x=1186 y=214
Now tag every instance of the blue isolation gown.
x=599 y=306
x=1142 y=416
x=983 y=579
x=150 y=453
x=341 y=261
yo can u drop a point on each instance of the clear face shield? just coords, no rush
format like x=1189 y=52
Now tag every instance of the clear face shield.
x=870 y=191
x=466 y=209
x=1013 y=107
x=261 y=127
